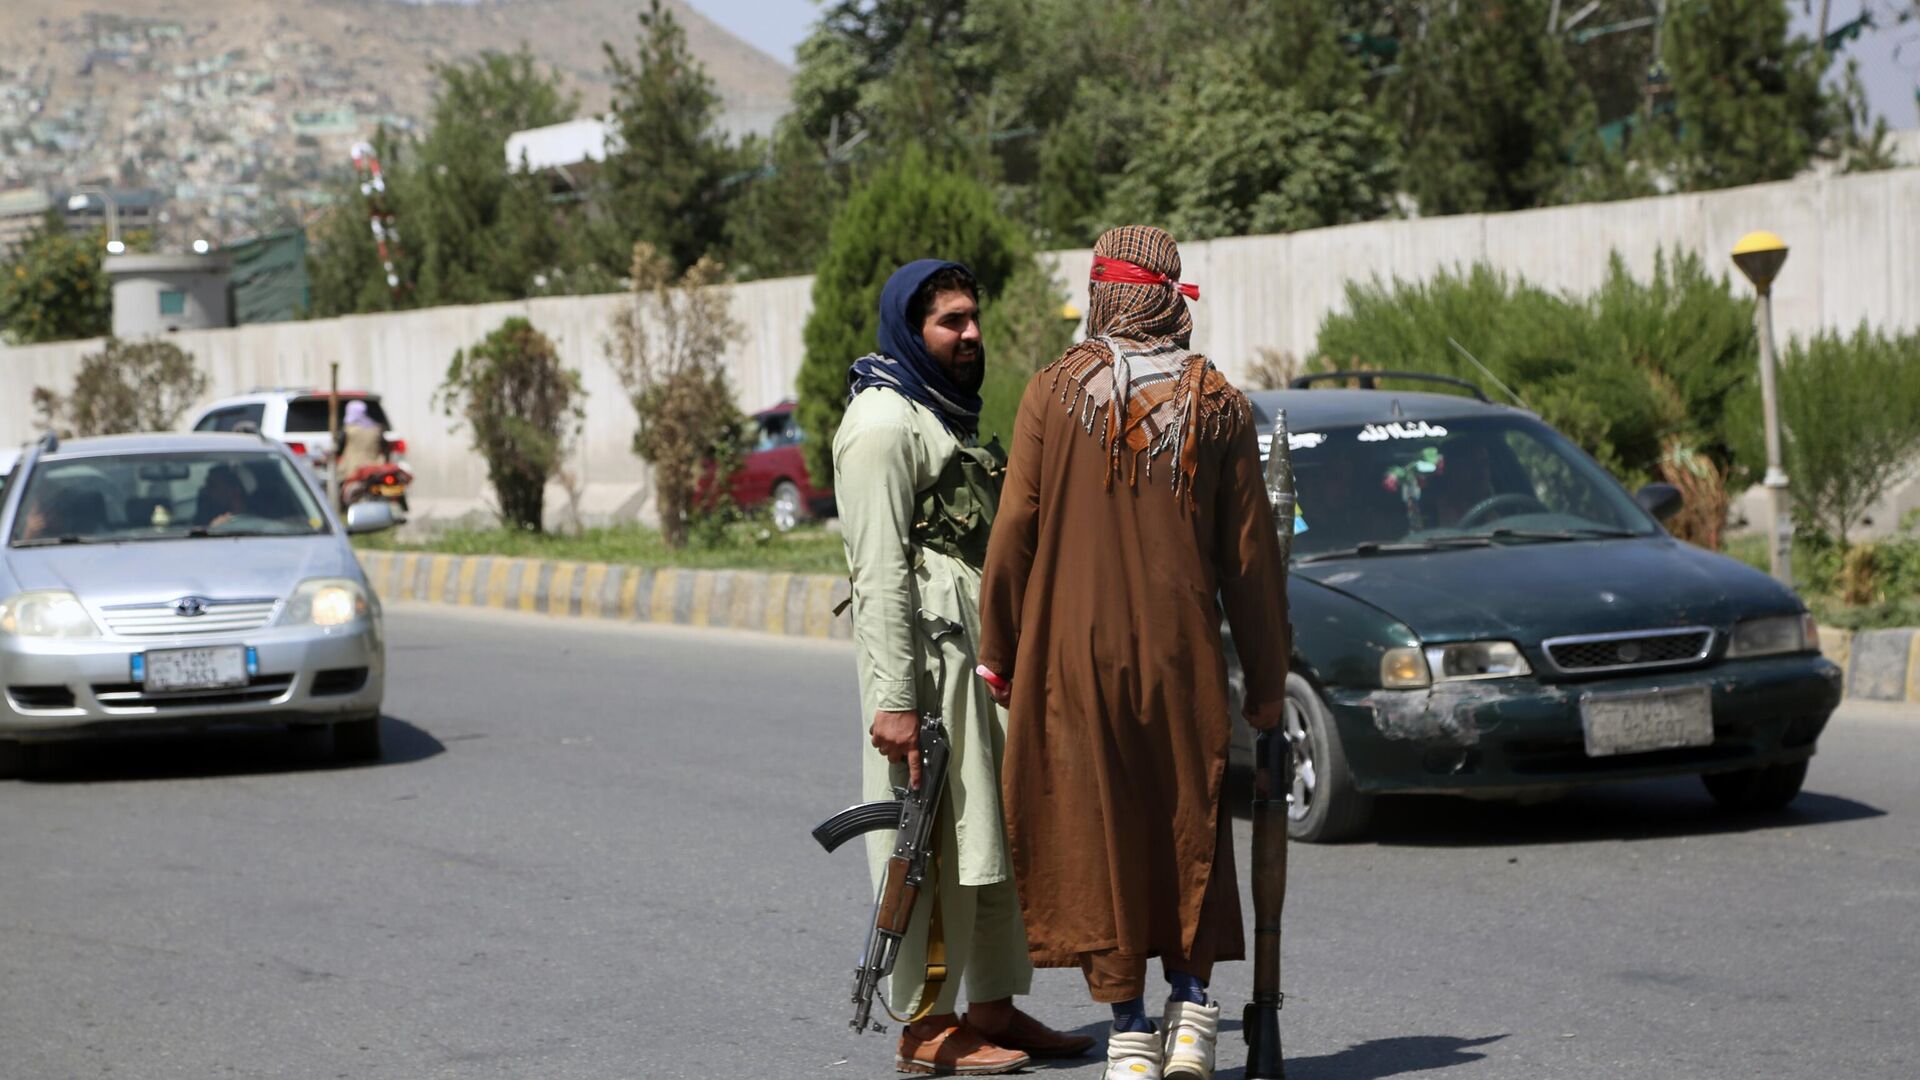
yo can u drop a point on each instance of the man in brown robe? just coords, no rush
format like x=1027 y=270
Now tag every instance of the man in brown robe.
x=1134 y=498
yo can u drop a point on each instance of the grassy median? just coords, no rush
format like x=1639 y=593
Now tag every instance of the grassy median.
x=744 y=546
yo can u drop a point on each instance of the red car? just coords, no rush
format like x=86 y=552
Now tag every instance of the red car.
x=774 y=472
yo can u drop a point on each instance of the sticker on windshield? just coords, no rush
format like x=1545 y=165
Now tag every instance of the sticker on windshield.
x=1296 y=440
x=1299 y=517
x=1419 y=429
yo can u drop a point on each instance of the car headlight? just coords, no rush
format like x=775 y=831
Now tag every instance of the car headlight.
x=1467 y=660
x=1773 y=635
x=48 y=613
x=326 y=602
x=1404 y=669
x=1414 y=667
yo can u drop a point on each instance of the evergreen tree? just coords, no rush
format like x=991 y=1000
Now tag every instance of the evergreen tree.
x=664 y=184
x=1488 y=107
x=478 y=229
x=52 y=287
x=1746 y=102
x=1240 y=156
x=910 y=210
x=788 y=192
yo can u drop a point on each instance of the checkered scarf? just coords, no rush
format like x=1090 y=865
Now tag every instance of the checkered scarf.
x=1134 y=379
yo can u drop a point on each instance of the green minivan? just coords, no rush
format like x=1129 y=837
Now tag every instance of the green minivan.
x=1479 y=608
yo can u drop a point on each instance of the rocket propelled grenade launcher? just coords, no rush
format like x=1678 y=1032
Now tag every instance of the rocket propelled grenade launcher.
x=1272 y=754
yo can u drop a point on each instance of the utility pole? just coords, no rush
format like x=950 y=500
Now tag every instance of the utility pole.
x=1759 y=255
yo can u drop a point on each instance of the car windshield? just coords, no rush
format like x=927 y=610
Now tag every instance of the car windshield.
x=1415 y=485
x=117 y=498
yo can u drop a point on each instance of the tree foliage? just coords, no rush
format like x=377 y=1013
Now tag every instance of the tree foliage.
x=523 y=409
x=477 y=229
x=664 y=185
x=668 y=346
x=126 y=387
x=52 y=287
x=912 y=209
x=1847 y=404
x=1628 y=372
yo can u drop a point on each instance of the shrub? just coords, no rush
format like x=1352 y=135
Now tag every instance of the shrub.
x=522 y=406
x=668 y=346
x=1847 y=408
x=127 y=386
x=1630 y=372
x=912 y=209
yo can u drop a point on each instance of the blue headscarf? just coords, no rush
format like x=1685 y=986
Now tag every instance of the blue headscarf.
x=903 y=363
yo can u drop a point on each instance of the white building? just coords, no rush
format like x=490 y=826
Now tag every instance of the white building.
x=159 y=294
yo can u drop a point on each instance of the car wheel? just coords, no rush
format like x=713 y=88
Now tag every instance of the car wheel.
x=788 y=508
x=1323 y=806
x=1767 y=788
x=357 y=740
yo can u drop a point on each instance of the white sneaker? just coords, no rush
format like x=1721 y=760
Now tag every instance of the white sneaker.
x=1133 y=1055
x=1191 y=1031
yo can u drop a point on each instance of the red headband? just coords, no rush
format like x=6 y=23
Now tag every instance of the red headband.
x=1123 y=272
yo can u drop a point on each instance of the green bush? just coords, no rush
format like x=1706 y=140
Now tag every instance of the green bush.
x=1848 y=408
x=1628 y=372
x=912 y=209
x=1891 y=573
x=522 y=407
x=126 y=387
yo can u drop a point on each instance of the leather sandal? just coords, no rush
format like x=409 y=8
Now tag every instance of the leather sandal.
x=960 y=1050
x=1036 y=1039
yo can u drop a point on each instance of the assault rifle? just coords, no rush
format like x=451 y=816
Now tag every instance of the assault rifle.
x=911 y=813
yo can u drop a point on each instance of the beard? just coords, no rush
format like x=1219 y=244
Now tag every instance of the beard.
x=967 y=369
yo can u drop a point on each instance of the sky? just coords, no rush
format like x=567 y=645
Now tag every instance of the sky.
x=1889 y=56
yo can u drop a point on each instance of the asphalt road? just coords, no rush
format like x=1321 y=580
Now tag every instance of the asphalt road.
x=586 y=856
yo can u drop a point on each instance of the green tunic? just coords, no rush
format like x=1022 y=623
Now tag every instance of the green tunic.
x=888 y=452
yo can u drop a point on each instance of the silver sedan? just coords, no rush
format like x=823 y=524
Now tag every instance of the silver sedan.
x=181 y=582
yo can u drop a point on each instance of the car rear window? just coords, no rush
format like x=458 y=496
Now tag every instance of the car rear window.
x=308 y=415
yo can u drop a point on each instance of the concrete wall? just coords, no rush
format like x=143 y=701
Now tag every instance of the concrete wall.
x=1853 y=241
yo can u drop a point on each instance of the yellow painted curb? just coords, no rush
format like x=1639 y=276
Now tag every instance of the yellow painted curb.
x=437 y=570
x=819 y=609
x=665 y=584
x=469 y=570
x=702 y=606
x=1837 y=646
x=629 y=601
x=560 y=588
x=497 y=581
x=529 y=599
x=404 y=586
x=774 y=618
x=1913 y=668
x=590 y=589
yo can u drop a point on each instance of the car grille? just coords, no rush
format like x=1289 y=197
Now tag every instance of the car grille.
x=165 y=620
x=1593 y=653
x=133 y=695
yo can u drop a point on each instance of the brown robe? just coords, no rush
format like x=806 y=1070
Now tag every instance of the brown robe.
x=1098 y=602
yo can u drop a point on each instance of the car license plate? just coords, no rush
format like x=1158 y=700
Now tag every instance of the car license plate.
x=1634 y=723
x=208 y=668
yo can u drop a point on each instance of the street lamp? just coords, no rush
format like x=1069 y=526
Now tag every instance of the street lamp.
x=1759 y=255
x=77 y=200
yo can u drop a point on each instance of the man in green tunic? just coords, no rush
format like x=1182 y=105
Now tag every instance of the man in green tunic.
x=916 y=500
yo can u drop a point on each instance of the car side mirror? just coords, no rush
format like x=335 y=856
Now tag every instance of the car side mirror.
x=1661 y=500
x=370 y=517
